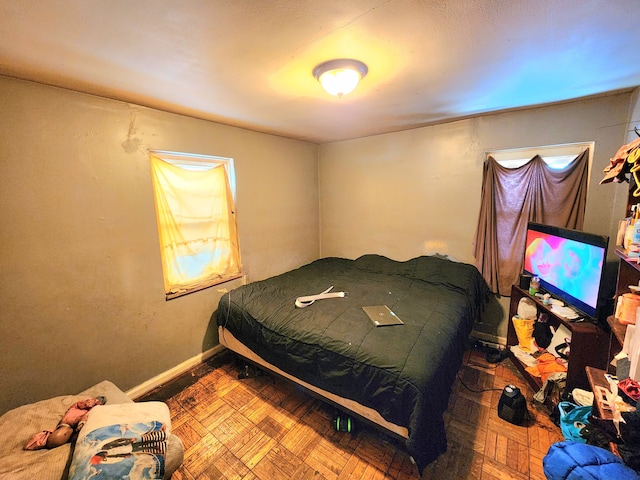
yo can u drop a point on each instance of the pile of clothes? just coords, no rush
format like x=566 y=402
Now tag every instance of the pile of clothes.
x=588 y=456
x=626 y=161
x=626 y=433
x=542 y=349
x=579 y=461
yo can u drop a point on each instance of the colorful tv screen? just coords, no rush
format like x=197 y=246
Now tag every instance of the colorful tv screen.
x=569 y=264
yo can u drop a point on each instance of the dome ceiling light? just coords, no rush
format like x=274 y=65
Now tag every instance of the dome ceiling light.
x=339 y=77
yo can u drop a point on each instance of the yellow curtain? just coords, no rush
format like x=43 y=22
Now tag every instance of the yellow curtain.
x=196 y=225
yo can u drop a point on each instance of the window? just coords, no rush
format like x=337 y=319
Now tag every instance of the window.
x=195 y=210
x=543 y=184
x=556 y=157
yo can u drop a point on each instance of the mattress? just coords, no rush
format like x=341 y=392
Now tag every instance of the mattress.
x=404 y=373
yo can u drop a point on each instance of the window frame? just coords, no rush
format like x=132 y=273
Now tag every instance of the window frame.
x=555 y=156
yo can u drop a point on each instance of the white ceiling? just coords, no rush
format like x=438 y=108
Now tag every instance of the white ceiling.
x=248 y=62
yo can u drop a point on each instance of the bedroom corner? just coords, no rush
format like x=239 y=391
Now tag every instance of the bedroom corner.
x=82 y=277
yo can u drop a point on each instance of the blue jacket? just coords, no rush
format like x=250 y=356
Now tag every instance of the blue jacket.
x=579 y=461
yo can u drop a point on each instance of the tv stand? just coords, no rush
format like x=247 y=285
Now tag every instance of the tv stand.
x=589 y=343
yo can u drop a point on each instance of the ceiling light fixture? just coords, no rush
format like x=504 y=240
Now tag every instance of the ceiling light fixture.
x=339 y=77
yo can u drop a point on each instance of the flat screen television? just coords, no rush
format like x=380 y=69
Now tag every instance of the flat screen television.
x=569 y=263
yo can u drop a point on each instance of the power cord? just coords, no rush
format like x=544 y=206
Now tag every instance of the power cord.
x=474 y=390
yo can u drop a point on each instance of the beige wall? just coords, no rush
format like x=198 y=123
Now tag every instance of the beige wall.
x=81 y=276
x=418 y=192
x=634 y=115
x=82 y=291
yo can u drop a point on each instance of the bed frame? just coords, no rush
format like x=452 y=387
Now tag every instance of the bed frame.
x=399 y=377
x=368 y=414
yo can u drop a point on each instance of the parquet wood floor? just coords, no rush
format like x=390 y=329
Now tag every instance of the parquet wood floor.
x=266 y=428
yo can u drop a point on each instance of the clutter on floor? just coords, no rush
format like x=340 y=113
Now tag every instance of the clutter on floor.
x=592 y=438
x=606 y=419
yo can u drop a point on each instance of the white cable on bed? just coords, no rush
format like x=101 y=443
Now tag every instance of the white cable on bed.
x=302 y=302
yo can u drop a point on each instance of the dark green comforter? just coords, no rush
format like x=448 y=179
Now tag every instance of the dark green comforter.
x=405 y=372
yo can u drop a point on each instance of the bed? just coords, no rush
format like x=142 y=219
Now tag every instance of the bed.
x=400 y=376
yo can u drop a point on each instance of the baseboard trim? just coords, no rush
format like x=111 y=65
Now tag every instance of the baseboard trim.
x=170 y=374
x=492 y=340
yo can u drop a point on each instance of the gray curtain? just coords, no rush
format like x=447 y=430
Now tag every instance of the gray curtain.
x=511 y=197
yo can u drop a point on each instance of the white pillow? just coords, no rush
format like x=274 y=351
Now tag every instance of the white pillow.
x=122 y=441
